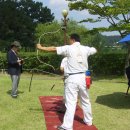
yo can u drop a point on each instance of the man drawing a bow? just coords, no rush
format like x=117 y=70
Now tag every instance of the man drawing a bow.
x=75 y=85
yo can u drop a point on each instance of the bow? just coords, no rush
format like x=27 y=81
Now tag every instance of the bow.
x=42 y=72
x=39 y=41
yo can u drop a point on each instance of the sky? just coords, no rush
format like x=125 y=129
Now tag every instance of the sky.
x=57 y=6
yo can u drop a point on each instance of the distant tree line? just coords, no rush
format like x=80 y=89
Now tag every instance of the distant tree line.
x=19 y=18
x=27 y=20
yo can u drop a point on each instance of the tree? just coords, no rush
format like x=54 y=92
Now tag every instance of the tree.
x=35 y=11
x=57 y=39
x=45 y=31
x=115 y=12
x=94 y=40
x=18 y=20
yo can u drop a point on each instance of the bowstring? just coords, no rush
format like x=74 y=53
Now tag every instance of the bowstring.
x=39 y=41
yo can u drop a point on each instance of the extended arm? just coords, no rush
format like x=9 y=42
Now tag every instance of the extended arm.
x=48 y=49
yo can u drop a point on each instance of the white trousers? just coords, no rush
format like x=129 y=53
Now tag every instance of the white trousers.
x=75 y=86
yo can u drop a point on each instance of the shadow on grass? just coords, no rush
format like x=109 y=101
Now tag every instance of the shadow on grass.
x=114 y=79
x=116 y=100
x=19 y=92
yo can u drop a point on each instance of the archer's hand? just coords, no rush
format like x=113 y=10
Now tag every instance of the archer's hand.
x=18 y=61
x=38 y=46
x=22 y=61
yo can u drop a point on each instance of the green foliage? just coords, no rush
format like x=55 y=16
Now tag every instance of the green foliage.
x=49 y=38
x=73 y=27
x=107 y=64
x=18 y=20
x=101 y=64
x=31 y=61
x=111 y=40
x=57 y=39
x=96 y=41
x=36 y=11
x=115 y=12
x=4 y=45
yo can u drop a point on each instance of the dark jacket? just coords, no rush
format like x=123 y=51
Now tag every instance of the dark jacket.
x=128 y=74
x=13 y=67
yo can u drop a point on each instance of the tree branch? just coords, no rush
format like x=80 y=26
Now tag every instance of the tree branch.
x=125 y=18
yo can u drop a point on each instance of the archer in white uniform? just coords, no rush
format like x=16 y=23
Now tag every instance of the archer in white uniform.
x=75 y=85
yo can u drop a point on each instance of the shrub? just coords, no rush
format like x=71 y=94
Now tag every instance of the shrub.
x=101 y=64
x=107 y=64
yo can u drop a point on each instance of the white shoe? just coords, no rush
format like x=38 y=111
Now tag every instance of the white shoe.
x=88 y=124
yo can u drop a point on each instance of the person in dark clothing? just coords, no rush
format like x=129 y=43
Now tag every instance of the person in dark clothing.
x=128 y=77
x=14 y=66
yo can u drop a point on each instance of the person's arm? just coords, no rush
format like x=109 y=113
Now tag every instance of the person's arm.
x=62 y=69
x=91 y=50
x=48 y=49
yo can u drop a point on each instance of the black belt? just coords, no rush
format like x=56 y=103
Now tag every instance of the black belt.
x=76 y=73
x=67 y=75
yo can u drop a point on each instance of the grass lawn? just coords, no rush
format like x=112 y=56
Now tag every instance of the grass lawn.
x=111 y=109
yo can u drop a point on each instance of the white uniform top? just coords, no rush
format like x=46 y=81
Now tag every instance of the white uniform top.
x=77 y=57
x=64 y=64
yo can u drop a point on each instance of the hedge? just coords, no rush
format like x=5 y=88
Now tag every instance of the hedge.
x=107 y=64
x=101 y=64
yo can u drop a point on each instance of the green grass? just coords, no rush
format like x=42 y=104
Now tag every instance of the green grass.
x=111 y=109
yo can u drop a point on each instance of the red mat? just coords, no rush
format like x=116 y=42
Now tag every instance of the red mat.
x=50 y=105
